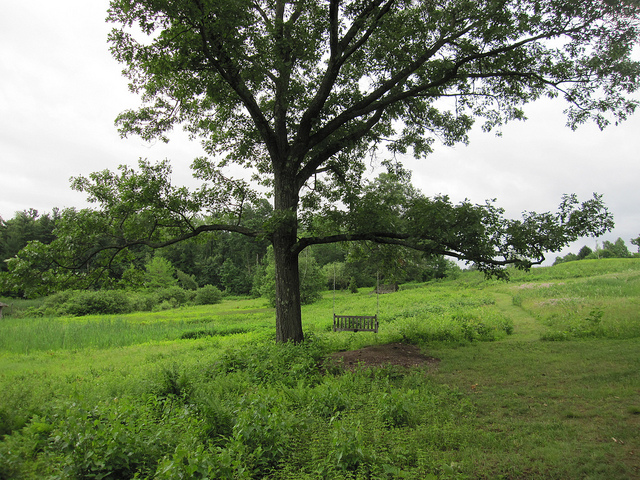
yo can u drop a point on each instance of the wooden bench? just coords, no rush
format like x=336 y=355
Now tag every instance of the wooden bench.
x=355 y=323
x=389 y=288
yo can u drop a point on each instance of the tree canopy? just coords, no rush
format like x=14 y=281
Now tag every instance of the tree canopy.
x=302 y=93
x=23 y=228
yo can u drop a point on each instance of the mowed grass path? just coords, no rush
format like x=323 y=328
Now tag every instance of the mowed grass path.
x=562 y=409
x=525 y=327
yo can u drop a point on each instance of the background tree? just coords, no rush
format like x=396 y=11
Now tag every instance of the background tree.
x=23 y=228
x=160 y=273
x=224 y=260
x=186 y=281
x=335 y=276
x=301 y=93
x=584 y=253
x=617 y=249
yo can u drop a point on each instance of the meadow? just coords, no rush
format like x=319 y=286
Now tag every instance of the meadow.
x=537 y=378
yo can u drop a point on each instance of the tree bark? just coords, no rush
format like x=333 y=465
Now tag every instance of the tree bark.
x=288 y=311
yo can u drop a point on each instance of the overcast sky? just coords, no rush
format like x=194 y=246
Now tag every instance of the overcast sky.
x=60 y=92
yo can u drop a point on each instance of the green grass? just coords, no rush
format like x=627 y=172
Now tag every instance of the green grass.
x=604 y=304
x=18 y=306
x=551 y=410
x=20 y=335
x=204 y=392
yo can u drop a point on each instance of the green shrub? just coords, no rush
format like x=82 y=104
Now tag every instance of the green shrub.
x=28 y=442
x=54 y=304
x=262 y=435
x=396 y=408
x=119 y=438
x=8 y=421
x=208 y=295
x=87 y=302
x=555 y=336
x=162 y=306
x=106 y=442
x=348 y=450
x=218 y=416
x=459 y=325
x=175 y=295
x=143 y=302
x=101 y=302
x=285 y=364
x=327 y=401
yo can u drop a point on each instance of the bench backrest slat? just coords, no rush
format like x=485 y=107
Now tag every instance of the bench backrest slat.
x=355 y=323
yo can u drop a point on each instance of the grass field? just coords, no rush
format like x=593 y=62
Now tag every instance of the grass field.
x=538 y=378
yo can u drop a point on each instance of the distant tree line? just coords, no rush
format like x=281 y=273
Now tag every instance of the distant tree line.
x=25 y=227
x=617 y=249
x=234 y=264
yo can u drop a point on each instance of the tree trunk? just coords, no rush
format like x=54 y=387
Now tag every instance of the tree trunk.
x=288 y=312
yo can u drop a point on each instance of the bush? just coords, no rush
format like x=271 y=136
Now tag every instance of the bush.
x=87 y=302
x=54 y=304
x=143 y=302
x=197 y=462
x=115 y=302
x=100 y=302
x=262 y=435
x=208 y=295
x=175 y=295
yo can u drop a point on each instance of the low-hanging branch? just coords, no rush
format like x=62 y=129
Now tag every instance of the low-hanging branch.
x=120 y=244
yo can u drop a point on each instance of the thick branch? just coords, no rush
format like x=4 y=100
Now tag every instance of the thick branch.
x=339 y=54
x=194 y=233
x=314 y=163
x=380 y=99
x=121 y=244
x=406 y=240
x=214 y=51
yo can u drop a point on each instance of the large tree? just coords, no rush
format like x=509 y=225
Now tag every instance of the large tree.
x=303 y=92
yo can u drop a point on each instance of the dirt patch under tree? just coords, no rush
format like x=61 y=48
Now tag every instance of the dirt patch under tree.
x=397 y=354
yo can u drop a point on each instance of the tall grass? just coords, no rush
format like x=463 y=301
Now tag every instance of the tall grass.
x=50 y=334
x=603 y=304
x=430 y=313
x=25 y=335
x=578 y=269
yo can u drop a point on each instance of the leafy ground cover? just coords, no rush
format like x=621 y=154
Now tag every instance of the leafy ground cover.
x=204 y=392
